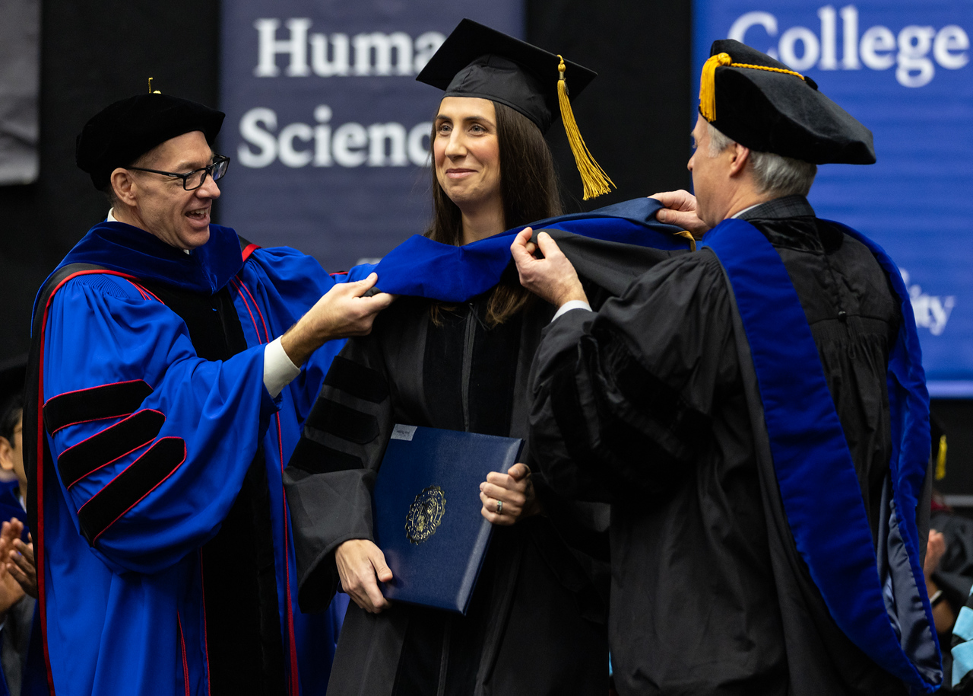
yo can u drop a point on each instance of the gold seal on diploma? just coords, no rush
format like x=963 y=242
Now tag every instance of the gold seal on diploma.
x=425 y=514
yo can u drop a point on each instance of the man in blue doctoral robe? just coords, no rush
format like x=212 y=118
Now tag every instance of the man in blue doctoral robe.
x=756 y=414
x=170 y=370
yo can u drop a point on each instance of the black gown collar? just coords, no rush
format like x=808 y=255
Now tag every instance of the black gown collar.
x=790 y=223
x=786 y=207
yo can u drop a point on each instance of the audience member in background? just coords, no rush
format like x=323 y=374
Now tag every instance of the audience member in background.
x=20 y=649
x=948 y=565
x=949 y=553
x=949 y=576
x=13 y=489
x=961 y=652
x=940 y=593
x=165 y=391
x=734 y=406
x=536 y=619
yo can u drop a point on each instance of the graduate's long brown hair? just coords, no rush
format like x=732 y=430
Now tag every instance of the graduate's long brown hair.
x=528 y=189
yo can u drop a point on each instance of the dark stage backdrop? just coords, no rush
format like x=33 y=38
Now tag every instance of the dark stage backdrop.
x=326 y=124
x=635 y=117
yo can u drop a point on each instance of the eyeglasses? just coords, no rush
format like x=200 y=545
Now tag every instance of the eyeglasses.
x=194 y=179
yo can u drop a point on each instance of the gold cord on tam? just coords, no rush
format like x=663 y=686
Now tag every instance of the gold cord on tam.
x=941 y=459
x=150 y=88
x=595 y=181
x=707 y=81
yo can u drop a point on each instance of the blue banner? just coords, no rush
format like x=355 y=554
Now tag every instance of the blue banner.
x=327 y=128
x=903 y=69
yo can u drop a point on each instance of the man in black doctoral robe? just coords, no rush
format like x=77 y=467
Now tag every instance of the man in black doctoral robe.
x=739 y=407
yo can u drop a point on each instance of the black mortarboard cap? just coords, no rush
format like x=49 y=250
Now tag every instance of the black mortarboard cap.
x=121 y=133
x=762 y=104
x=479 y=62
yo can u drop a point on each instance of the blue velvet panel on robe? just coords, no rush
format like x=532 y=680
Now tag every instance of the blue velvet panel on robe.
x=879 y=603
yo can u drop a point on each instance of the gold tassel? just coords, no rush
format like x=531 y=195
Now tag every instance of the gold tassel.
x=707 y=85
x=686 y=234
x=150 y=88
x=595 y=181
x=707 y=81
x=941 y=459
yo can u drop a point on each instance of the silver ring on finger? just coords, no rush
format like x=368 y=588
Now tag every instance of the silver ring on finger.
x=499 y=507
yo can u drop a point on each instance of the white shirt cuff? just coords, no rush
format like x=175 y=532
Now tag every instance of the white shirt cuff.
x=278 y=368
x=568 y=306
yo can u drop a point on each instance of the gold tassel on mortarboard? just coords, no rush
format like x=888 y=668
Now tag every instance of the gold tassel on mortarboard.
x=595 y=181
x=150 y=88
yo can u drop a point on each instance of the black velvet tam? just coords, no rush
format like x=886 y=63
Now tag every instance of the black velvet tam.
x=781 y=113
x=121 y=133
x=477 y=61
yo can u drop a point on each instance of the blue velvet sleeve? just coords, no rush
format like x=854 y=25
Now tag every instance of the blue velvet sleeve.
x=290 y=283
x=151 y=443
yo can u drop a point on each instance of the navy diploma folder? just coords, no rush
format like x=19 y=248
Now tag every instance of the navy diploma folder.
x=426 y=507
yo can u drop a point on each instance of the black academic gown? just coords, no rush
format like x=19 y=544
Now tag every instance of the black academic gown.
x=653 y=405
x=536 y=624
x=537 y=620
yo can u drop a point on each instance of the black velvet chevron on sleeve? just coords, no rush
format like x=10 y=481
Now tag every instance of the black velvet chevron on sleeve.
x=97 y=403
x=125 y=491
x=315 y=458
x=108 y=445
x=331 y=417
x=357 y=380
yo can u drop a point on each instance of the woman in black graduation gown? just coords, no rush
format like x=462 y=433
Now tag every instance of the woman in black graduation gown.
x=536 y=621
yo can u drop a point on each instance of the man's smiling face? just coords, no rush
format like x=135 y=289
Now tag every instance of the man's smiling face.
x=163 y=207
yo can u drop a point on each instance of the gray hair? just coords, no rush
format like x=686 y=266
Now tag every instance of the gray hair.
x=109 y=190
x=773 y=174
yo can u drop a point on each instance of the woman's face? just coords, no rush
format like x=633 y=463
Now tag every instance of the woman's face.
x=467 y=153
